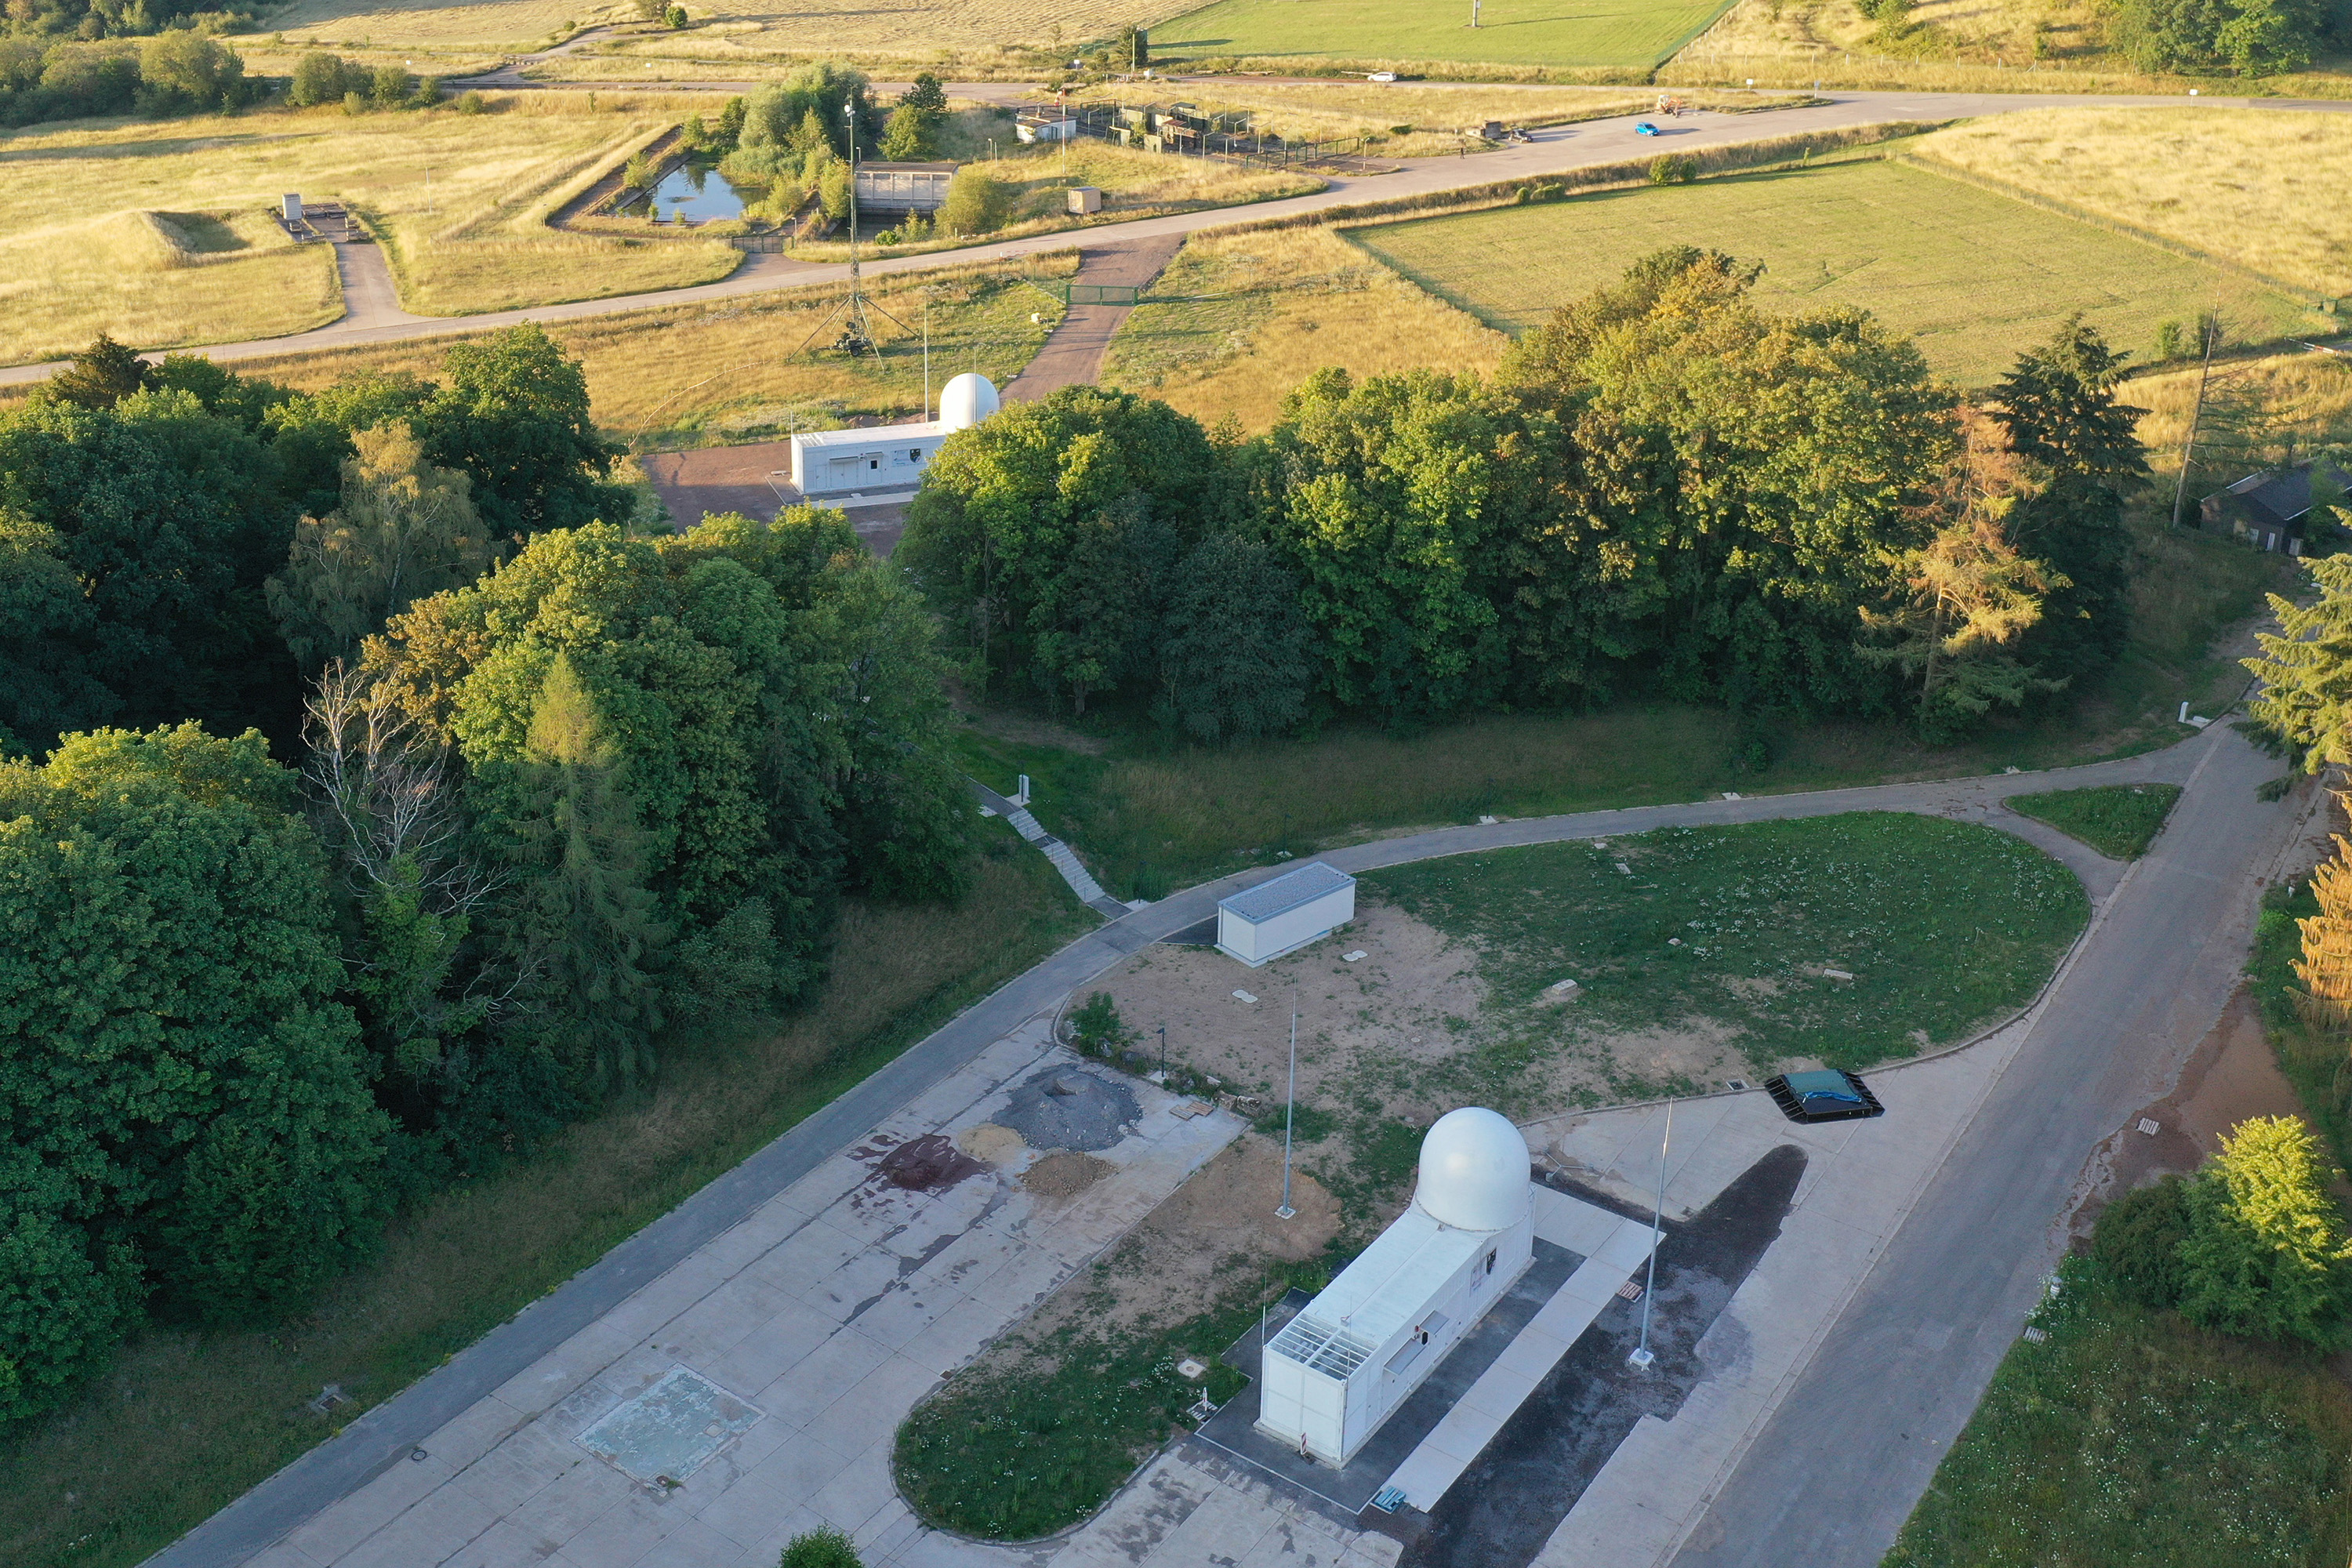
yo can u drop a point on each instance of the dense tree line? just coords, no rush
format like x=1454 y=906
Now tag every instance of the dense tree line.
x=2241 y=38
x=176 y=72
x=550 y=792
x=1664 y=490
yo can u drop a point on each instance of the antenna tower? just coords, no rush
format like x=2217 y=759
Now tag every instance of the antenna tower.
x=857 y=331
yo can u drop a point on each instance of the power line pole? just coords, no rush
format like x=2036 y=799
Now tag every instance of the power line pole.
x=1289 y=1120
x=1642 y=1355
x=2209 y=328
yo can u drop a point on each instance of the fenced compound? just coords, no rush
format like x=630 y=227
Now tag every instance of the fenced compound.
x=1188 y=132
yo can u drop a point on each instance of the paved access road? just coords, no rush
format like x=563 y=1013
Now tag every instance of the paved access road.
x=373 y=316
x=2193 y=913
x=1835 y=1470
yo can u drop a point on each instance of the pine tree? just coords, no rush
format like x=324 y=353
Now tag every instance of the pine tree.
x=586 y=925
x=101 y=375
x=2325 y=966
x=2304 y=698
x=2265 y=1253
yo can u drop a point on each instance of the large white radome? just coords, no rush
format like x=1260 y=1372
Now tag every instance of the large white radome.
x=1473 y=1171
x=967 y=400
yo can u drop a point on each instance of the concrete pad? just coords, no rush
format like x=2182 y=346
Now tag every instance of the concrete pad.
x=625 y=1533
x=771 y=1349
x=518 y=1466
x=423 y=1534
x=821 y=1377
x=772 y=1490
x=370 y=1508
x=862 y=1490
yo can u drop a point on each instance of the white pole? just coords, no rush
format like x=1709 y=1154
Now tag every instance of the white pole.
x=1642 y=1355
x=1289 y=1120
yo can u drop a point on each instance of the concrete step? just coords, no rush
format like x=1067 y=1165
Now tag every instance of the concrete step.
x=1072 y=871
x=1026 y=826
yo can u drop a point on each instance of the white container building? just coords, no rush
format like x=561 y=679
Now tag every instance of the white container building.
x=1343 y=1365
x=1284 y=915
x=888 y=457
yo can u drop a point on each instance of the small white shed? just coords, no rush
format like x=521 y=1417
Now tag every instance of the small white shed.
x=1285 y=914
x=1341 y=1367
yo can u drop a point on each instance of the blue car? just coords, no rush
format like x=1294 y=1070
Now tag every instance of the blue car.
x=1643 y=127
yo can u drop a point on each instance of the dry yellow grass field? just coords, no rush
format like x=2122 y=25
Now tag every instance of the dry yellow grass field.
x=499 y=26
x=1238 y=320
x=279 y=57
x=2308 y=396
x=2260 y=188
x=752 y=27
x=1435 y=115
x=158 y=280
x=460 y=201
x=730 y=371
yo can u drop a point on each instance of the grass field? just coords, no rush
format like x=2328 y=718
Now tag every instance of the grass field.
x=1944 y=925
x=461 y=201
x=1631 y=34
x=156 y=278
x=822 y=26
x=1976 y=276
x=2132 y=1439
x=2218 y=180
x=1239 y=320
x=2119 y=821
x=185 y=1422
x=709 y=374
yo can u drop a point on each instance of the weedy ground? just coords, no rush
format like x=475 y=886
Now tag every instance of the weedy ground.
x=1239 y=320
x=2119 y=821
x=1976 y=276
x=185 y=1422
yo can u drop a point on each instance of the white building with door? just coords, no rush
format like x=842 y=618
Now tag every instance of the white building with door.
x=880 y=457
x=1353 y=1354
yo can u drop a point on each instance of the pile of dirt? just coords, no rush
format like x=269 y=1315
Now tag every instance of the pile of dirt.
x=927 y=1164
x=1071 y=1108
x=1065 y=1175
x=990 y=1144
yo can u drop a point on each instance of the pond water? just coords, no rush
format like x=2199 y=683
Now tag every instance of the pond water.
x=698 y=190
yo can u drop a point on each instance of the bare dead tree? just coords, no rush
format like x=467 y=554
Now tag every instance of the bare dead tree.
x=384 y=785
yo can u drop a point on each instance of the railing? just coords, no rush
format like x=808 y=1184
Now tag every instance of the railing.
x=1088 y=293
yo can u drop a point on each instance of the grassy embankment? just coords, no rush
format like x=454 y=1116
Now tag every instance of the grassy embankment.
x=1975 y=275
x=1238 y=320
x=1948 y=46
x=1052 y=1421
x=1148 y=817
x=460 y=200
x=715 y=374
x=1622 y=34
x=2119 y=821
x=185 y=1421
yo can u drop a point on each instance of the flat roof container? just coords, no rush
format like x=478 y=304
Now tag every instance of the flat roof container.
x=1283 y=915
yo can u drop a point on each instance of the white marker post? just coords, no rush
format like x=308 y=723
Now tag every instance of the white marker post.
x=1289 y=1120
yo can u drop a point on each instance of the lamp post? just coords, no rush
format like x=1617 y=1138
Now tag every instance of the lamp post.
x=1642 y=1355
x=1163 y=1053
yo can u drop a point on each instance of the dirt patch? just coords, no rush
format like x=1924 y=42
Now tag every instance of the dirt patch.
x=931 y=1163
x=990 y=1144
x=1210 y=1239
x=1063 y=1175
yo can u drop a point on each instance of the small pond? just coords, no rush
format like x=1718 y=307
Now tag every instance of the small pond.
x=698 y=190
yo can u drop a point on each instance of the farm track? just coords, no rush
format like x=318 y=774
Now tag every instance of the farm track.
x=1554 y=151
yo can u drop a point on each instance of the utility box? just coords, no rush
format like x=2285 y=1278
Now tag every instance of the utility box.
x=1284 y=915
x=292 y=204
x=1085 y=199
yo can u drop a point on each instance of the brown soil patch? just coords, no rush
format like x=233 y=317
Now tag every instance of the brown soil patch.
x=990 y=1144
x=1212 y=1239
x=927 y=1164
x=1063 y=1175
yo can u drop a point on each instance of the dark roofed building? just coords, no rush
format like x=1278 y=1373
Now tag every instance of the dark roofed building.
x=2269 y=509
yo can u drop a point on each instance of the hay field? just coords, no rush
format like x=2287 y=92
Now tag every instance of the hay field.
x=499 y=25
x=1239 y=320
x=819 y=26
x=2308 y=397
x=158 y=280
x=1974 y=276
x=1624 y=34
x=461 y=202
x=730 y=370
x=1432 y=115
x=2262 y=188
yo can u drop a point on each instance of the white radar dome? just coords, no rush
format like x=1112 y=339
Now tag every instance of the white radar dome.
x=1473 y=1171
x=967 y=400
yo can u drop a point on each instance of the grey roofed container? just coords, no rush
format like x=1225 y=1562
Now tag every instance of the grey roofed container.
x=1283 y=914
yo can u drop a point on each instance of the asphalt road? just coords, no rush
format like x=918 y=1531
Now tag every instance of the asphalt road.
x=383 y=1435
x=1556 y=150
x=1834 y=1472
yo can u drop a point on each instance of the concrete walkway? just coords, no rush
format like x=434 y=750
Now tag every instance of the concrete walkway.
x=380 y=1441
x=1557 y=150
x=1073 y=354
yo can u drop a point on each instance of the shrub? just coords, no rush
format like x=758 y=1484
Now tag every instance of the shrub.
x=471 y=103
x=321 y=77
x=1673 y=168
x=355 y=103
x=675 y=18
x=428 y=93
x=1097 y=1029
x=391 y=87
x=2264 y=1255
x=637 y=174
x=2136 y=1246
x=978 y=202
x=181 y=72
x=823 y=1547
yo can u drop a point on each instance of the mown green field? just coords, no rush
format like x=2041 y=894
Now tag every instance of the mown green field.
x=1976 y=277
x=1628 y=34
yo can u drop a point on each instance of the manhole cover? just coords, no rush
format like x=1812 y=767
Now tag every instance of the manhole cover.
x=670 y=1429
